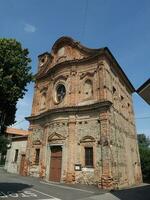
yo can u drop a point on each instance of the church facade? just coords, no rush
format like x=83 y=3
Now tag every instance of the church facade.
x=82 y=122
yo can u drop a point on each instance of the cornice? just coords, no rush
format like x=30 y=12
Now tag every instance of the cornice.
x=66 y=63
x=72 y=110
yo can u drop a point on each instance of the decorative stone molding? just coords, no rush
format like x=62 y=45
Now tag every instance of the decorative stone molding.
x=73 y=71
x=61 y=59
x=55 y=136
x=103 y=106
x=59 y=78
x=36 y=142
x=43 y=89
x=87 y=138
x=89 y=74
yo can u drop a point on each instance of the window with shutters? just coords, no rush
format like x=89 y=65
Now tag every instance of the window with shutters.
x=88 y=156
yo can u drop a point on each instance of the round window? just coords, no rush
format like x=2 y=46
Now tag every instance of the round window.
x=60 y=92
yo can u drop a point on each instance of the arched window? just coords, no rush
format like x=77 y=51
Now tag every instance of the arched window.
x=88 y=89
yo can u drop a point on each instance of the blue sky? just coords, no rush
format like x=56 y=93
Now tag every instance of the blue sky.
x=122 y=26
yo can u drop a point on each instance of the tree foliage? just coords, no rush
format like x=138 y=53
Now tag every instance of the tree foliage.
x=14 y=76
x=144 y=149
x=3 y=144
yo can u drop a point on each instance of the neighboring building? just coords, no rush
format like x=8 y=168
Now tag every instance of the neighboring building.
x=82 y=122
x=15 y=159
x=144 y=91
x=13 y=132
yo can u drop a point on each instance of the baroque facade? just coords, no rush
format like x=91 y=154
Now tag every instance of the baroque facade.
x=82 y=122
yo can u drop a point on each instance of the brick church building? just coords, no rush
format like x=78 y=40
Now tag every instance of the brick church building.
x=82 y=122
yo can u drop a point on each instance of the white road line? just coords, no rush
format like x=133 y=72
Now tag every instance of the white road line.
x=66 y=187
x=54 y=198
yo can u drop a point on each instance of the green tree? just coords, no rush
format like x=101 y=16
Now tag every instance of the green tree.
x=144 y=149
x=4 y=142
x=143 y=140
x=14 y=76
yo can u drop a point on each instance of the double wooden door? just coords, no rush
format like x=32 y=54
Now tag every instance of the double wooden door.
x=55 y=163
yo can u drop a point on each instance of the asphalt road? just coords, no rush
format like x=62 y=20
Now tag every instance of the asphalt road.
x=13 y=186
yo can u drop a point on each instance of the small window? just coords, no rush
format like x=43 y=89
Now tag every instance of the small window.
x=16 y=155
x=89 y=156
x=37 y=156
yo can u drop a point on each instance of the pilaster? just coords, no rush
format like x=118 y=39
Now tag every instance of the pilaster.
x=106 y=180
x=71 y=149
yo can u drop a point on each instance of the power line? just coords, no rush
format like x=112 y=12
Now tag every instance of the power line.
x=18 y=122
x=85 y=18
x=143 y=117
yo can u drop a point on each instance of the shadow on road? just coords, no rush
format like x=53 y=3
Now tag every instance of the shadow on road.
x=12 y=187
x=138 y=193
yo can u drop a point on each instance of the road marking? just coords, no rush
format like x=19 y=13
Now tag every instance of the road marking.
x=22 y=194
x=66 y=187
x=54 y=198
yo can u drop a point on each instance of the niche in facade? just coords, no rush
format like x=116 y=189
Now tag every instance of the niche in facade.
x=43 y=101
x=88 y=89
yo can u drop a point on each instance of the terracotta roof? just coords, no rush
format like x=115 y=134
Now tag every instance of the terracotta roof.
x=16 y=131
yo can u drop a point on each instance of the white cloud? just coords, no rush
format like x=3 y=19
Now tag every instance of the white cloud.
x=29 y=28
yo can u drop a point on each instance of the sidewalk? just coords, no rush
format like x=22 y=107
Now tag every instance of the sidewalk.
x=89 y=188
x=106 y=196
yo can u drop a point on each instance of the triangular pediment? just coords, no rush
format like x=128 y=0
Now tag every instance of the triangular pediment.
x=55 y=136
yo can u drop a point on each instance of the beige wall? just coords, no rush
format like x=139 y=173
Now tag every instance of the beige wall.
x=10 y=165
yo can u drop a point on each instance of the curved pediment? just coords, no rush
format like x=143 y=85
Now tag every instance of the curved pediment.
x=87 y=138
x=67 y=49
x=63 y=41
x=55 y=136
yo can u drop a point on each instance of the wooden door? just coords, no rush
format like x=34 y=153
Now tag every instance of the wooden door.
x=22 y=164
x=55 y=163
